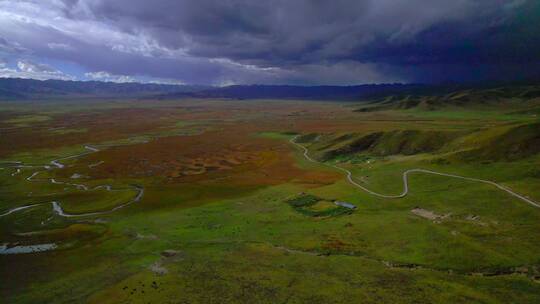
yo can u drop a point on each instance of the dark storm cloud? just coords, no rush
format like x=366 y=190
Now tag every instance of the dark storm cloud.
x=301 y=42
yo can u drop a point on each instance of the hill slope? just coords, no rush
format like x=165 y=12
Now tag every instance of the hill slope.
x=471 y=97
x=505 y=143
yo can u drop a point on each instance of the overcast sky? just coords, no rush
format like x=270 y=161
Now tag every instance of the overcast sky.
x=222 y=42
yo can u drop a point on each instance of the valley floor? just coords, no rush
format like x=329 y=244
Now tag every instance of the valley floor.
x=220 y=201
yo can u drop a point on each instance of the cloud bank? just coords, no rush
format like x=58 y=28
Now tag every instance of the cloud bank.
x=287 y=42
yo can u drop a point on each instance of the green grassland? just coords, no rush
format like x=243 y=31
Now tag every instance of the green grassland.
x=271 y=244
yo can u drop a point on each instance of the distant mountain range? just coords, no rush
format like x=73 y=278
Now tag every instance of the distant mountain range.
x=17 y=88
x=300 y=92
x=380 y=96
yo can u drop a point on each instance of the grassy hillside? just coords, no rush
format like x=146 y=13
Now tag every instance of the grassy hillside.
x=406 y=142
x=465 y=98
x=505 y=143
x=515 y=143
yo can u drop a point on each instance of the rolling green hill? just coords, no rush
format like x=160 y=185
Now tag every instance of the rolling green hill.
x=505 y=143
x=466 y=98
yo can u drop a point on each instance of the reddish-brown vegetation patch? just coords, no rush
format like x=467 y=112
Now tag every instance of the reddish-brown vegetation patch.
x=231 y=155
x=99 y=126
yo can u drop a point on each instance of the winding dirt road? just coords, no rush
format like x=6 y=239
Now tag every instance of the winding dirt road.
x=406 y=179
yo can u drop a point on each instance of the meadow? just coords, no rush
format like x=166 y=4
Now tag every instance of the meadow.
x=210 y=201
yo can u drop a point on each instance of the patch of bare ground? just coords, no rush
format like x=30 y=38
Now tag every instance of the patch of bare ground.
x=290 y=250
x=169 y=255
x=532 y=272
x=158 y=268
x=430 y=215
x=146 y=236
x=475 y=219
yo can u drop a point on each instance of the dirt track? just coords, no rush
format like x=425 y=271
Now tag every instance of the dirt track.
x=406 y=179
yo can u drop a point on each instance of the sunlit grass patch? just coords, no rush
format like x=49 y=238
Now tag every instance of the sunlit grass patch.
x=27 y=120
x=276 y=135
x=63 y=131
